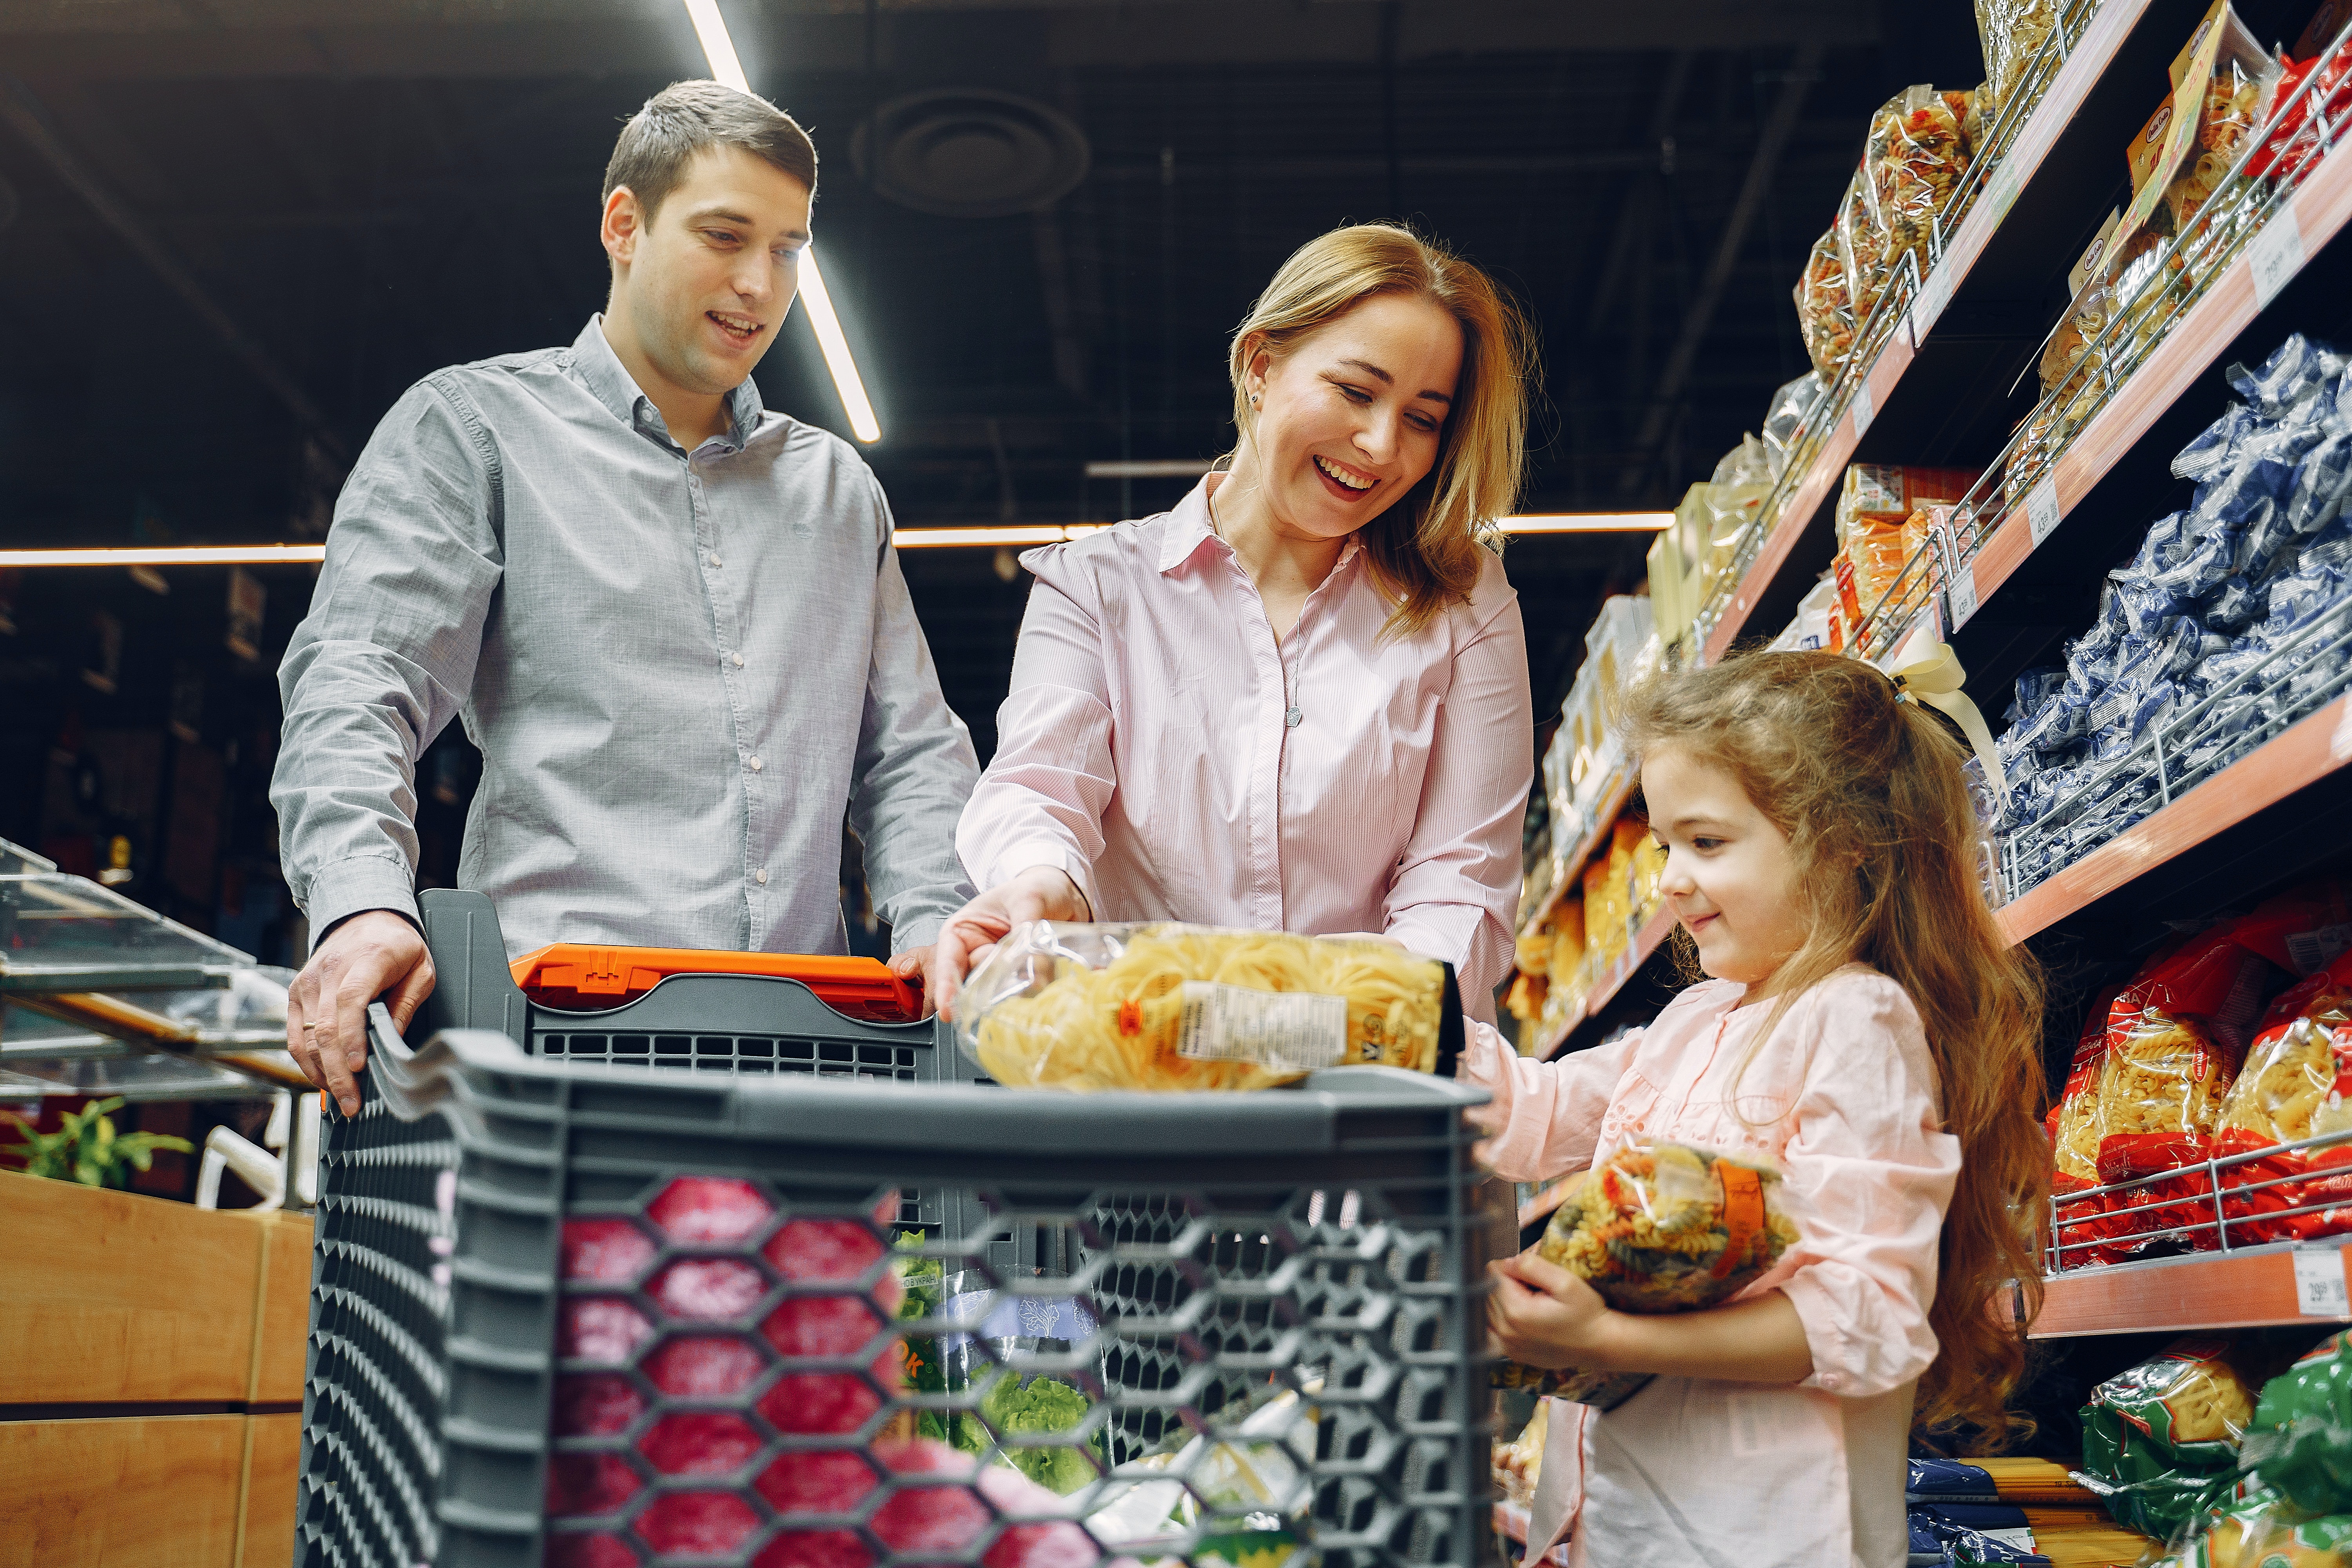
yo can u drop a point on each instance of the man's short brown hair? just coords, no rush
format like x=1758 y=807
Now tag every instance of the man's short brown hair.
x=687 y=117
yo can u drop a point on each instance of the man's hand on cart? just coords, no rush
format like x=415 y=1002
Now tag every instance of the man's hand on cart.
x=971 y=933
x=374 y=954
x=911 y=966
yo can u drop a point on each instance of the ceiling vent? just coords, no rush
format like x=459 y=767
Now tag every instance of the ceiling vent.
x=970 y=152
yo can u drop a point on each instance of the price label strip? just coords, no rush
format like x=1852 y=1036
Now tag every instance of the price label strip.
x=1865 y=410
x=1963 y=595
x=2319 y=1284
x=2276 y=255
x=2042 y=513
x=1934 y=293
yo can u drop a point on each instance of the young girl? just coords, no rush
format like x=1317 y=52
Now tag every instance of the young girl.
x=1866 y=1029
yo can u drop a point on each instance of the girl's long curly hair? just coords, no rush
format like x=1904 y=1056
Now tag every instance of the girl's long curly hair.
x=1867 y=788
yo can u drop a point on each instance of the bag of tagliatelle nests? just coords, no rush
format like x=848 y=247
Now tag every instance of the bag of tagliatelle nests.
x=1168 y=1007
x=1655 y=1229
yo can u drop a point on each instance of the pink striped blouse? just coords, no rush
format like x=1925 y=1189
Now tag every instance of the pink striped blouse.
x=1159 y=747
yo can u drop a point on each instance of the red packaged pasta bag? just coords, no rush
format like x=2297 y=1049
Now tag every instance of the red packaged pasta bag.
x=2075 y=1129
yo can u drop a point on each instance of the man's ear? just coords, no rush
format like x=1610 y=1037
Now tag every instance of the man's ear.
x=622 y=226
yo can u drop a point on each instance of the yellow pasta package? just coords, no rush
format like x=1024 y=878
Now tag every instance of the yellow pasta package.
x=1166 y=1007
x=2289 y=1071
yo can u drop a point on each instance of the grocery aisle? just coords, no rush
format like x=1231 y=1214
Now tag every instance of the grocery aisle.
x=2138 y=555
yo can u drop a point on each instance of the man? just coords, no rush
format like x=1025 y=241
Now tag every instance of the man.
x=673 y=621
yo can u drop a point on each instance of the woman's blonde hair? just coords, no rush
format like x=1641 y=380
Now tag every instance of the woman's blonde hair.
x=1868 y=790
x=1425 y=547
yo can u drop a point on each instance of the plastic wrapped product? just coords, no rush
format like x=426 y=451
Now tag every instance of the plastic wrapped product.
x=1917 y=158
x=2176 y=1034
x=2012 y=33
x=1863 y=247
x=1746 y=464
x=1655 y=1228
x=1825 y=315
x=2301 y=1431
x=2155 y=1436
x=1948 y=1481
x=1785 y=419
x=1167 y=1006
x=2236 y=97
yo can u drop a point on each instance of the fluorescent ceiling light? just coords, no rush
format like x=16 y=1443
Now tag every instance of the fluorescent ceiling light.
x=1148 y=469
x=711 y=28
x=179 y=555
x=1033 y=533
x=1590 y=522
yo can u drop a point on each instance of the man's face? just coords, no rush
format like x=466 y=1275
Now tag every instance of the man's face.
x=706 y=285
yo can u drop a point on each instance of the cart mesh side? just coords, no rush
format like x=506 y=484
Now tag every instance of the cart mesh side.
x=686 y=1320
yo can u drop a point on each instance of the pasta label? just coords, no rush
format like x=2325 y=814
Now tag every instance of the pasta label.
x=1299 y=1031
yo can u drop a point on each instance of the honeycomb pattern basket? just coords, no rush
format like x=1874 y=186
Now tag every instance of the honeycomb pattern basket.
x=687 y=1317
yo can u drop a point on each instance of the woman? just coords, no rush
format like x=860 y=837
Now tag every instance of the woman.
x=1298 y=700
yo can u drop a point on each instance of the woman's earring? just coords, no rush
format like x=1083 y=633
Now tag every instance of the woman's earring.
x=1252 y=400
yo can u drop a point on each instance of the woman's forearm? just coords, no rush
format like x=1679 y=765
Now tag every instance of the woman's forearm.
x=1757 y=1341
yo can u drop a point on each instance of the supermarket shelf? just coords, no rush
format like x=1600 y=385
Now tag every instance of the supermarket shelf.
x=2317 y=212
x=2207 y=1290
x=1614 y=796
x=1638 y=951
x=2311 y=751
x=1939 y=388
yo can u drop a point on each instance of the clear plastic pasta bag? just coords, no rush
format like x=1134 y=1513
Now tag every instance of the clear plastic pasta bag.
x=1161 y=1005
x=1655 y=1228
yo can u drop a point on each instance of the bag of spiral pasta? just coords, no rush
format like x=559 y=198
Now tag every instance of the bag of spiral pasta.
x=1161 y=1006
x=1659 y=1227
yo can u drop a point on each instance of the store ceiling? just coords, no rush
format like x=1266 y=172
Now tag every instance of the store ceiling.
x=231 y=231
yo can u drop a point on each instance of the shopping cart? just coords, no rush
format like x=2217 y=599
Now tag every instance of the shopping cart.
x=584 y=1314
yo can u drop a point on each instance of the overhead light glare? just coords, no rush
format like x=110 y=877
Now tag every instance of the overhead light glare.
x=1589 y=522
x=1148 y=469
x=175 y=555
x=718 y=48
x=1028 y=533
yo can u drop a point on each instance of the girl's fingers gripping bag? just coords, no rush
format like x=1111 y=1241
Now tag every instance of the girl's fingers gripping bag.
x=2155 y=1438
x=1168 y=1007
x=1655 y=1228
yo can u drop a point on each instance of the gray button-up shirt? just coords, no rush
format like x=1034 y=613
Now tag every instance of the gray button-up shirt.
x=681 y=670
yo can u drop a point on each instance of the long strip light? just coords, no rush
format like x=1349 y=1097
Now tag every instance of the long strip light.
x=1590 y=522
x=718 y=48
x=905 y=538
x=172 y=555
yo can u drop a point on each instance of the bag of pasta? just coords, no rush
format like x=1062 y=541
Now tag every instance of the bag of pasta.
x=1862 y=246
x=1166 y=1007
x=1917 y=159
x=2155 y=1438
x=1825 y=307
x=2075 y=1129
x=1655 y=1228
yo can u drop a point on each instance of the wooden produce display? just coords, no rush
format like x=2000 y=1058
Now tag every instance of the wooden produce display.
x=151 y=1380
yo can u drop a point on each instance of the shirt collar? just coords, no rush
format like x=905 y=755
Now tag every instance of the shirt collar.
x=1190 y=525
x=608 y=380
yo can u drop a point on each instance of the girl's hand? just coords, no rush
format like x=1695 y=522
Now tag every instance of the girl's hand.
x=971 y=933
x=1544 y=1316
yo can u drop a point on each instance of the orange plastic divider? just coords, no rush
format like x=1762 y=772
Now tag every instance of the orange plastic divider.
x=578 y=975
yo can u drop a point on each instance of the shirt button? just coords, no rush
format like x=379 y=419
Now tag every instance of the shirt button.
x=755 y=764
x=739 y=661
x=760 y=876
x=716 y=562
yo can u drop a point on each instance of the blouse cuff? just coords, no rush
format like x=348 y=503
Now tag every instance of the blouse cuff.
x=1024 y=854
x=1844 y=1363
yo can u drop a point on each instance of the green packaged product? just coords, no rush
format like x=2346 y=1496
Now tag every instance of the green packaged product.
x=2301 y=1435
x=2158 y=1438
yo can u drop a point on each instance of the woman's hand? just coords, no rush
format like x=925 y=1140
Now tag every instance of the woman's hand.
x=971 y=933
x=1544 y=1316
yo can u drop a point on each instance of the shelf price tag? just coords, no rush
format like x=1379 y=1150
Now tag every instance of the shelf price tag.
x=2001 y=191
x=1934 y=293
x=2319 y=1284
x=1963 y=595
x=2276 y=255
x=2042 y=513
x=1865 y=410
